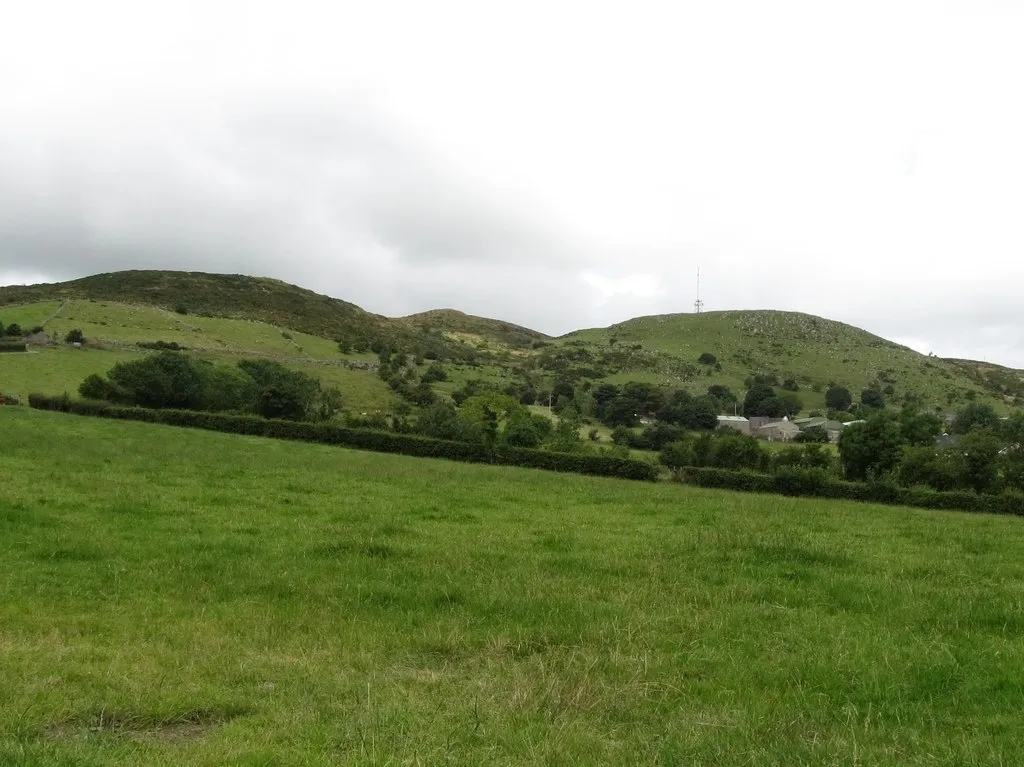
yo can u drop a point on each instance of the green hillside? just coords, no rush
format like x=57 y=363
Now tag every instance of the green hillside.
x=229 y=296
x=228 y=316
x=811 y=350
x=177 y=597
x=472 y=329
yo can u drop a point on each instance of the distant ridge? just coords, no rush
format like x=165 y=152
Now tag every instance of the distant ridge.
x=809 y=352
x=454 y=321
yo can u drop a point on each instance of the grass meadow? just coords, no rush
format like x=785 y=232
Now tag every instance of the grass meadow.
x=179 y=597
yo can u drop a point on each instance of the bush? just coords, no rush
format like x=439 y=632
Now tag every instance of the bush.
x=74 y=336
x=817 y=483
x=171 y=346
x=12 y=346
x=384 y=442
x=707 y=358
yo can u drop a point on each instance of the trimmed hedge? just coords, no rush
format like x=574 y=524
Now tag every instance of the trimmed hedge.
x=361 y=439
x=816 y=483
x=12 y=346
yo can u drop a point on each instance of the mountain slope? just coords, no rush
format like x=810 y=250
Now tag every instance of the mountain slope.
x=231 y=315
x=811 y=350
x=458 y=323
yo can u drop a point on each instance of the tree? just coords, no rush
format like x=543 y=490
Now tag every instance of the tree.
x=924 y=465
x=163 y=380
x=755 y=396
x=285 y=393
x=701 y=415
x=919 y=428
x=620 y=412
x=99 y=388
x=1012 y=456
x=14 y=329
x=772 y=407
x=435 y=372
x=738 y=451
x=443 y=422
x=677 y=454
x=870 y=448
x=722 y=395
x=813 y=434
x=838 y=398
x=977 y=455
x=74 y=336
x=976 y=414
x=872 y=397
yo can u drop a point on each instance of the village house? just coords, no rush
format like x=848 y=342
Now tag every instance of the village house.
x=778 y=431
x=734 y=422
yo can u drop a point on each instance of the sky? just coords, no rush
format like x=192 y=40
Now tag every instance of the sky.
x=555 y=164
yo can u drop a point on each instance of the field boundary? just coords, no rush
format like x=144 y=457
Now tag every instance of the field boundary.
x=360 y=439
x=815 y=483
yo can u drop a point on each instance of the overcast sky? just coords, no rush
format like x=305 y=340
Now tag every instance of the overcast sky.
x=556 y=164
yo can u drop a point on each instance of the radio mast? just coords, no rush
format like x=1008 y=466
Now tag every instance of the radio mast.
x=698 y=305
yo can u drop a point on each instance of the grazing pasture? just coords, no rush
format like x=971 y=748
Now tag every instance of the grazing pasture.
x=181 y=597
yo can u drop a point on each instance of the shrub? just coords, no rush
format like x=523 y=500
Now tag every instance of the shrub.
x=707 y=358
x=817 y=483
x=171 y=346
x=74 y=336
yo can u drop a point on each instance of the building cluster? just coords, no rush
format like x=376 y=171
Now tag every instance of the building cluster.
x=781 y=429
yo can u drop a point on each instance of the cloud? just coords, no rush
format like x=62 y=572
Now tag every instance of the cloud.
x=559 y=166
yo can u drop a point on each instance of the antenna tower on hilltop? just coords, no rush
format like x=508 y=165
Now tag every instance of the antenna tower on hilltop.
x=698 y=305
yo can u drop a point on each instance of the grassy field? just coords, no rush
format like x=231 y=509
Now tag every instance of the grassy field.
x=187 y=598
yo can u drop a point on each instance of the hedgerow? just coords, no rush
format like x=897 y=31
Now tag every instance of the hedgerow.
x=362 y=439
x=817 y=483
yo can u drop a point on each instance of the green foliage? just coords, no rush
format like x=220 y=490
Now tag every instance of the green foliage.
x=74 y=336
x=817 y=434
x=872 y=397
x=925 y=465
x=13 y=330
x=173 y=380
x=838 y=398
x=435 y=373
x=871 y=448
x=754 y=404
x=162 y=380
x=171 y=346
x=707 y=358
x=810 y=455
x=919 y=428
x=284 y=393
x=976 y=414
x=738 y=451
x=977 y=454
x=678 y=454
x=817 y=483
x=11 y=347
